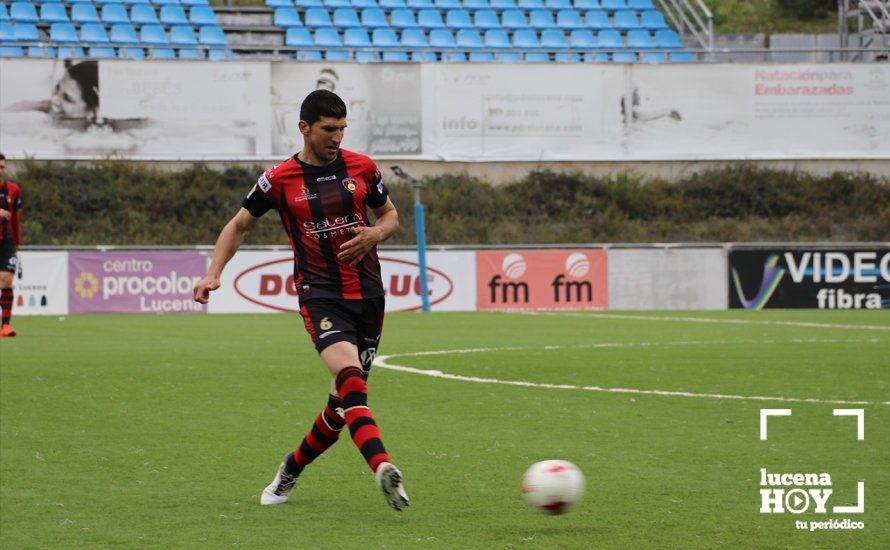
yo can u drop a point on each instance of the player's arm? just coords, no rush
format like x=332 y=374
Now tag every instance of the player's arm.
x=353 y=250
x=230 y=238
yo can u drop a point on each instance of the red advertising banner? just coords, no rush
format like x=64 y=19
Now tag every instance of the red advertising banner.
x=542 y=279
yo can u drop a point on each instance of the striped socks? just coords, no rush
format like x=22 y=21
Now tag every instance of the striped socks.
x=324 y=433
x=354 y=393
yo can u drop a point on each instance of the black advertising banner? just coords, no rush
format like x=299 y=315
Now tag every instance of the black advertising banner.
x=829 y=278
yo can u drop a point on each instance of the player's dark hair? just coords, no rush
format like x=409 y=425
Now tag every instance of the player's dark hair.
x=2 y=156
x=321 y=103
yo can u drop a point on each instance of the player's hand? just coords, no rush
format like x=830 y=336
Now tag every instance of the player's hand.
x=5 y=214
x=356 y=248
x=204 y=287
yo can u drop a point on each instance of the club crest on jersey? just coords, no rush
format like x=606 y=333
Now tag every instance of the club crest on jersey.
x=350 y=184
x=263 y=183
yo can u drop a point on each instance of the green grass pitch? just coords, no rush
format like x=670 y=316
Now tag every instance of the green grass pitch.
x=161 y=431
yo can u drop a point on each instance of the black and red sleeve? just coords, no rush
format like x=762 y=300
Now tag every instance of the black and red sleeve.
x=258 y=201
x=377 y=192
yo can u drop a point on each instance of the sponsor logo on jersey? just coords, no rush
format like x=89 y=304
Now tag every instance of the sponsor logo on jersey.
x=263 y=182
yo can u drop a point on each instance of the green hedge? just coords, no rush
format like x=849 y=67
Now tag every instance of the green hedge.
x=126 y=203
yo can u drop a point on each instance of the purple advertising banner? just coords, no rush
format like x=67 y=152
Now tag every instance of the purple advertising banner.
x=137 y=282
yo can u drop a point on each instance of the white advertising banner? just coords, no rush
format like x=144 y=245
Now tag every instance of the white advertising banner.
x=262 y=282
x=667 y=279
x=462 y=112
x=42 y=288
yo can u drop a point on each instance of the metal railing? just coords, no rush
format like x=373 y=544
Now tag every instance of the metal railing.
x=872 y=21
x=691 y=17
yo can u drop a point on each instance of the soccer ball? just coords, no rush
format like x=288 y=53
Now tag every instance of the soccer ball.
x=553 y=486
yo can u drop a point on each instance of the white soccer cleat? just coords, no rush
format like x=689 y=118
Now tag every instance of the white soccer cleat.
x=389 y=479
x=279 y=490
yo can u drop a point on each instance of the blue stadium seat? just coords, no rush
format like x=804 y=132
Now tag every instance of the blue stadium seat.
x=468 y=39
x=395 y=57
x=653 y=20
x=384 y=38
x=430 y=19
x=681 y=57
x=582 y=39
x=424 y=57
x=173 y=15
x=190 y=53
x=163 y=2
x=123 y=34
x=419 y=4
x=667 y=39
x=640 y=5
x=101 y=52
x=202 y=16
x=567 y=58
x=162 y=53
x=625 y=20
x=454 y=57
x=53 y=12
x=143 y=15
x=553 y=39
x=442 y=39
x=413 y=38
x=367 y=57
x=183 y=35
x=336 y=55
x=530 y=4
x=66 y=52
x=80 y=1
x=93 y=33
x=639 y=40
x=131 y=53
x=346 y=18
x=84 y=13
x=447 y=4
x=23 y=12
x=309 y=55
x=287 y=17
x=219 y=55
x=481 y=57
x=4 y=15
x=509 y=57
x=486 y=19
x=297 y=37
x=597 y=20
x=392 y=4
x=513 y=19
x=212 y=36
x=624 y=57
x=540 y=20
x=327 y=37
x=63 y=33
x=537 y=57
x=317 y=17
x=190 y=3
x=115 y=13
x=525 y=38
x=652 y=57
x=40 y=51
x=496 y=38
x=599 y=57
x=362 y=4
x=277 y=3
x=7 y=32
x=334 y=4
x=374 y=18
x=613 y=5
x=558 y=4
x=134 y=2
x=586 y=5
x=356 y=38
x=402 y=19
x=153 y=35
x=609 y=40
x=12 y=51
x=458 y=19
x=26 y=32
x=569 y=20
x=475 y=5
x=309 y=4
x=503 y=4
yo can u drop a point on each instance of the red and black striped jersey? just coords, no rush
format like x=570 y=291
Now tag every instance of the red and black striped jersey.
x=318 y=205
x=11 y=201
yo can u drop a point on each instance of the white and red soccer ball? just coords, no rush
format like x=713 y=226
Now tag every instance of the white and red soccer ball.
x=553 y=486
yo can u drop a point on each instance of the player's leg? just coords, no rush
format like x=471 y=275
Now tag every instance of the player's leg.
x=7 y=269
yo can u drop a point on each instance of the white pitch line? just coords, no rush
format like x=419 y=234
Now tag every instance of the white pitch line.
x=702 y=320
x=381 y=362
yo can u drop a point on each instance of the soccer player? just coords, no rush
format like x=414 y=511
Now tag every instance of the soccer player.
x=10 y=237
x=322 y=195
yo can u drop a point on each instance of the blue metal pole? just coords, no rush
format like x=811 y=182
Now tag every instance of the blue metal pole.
x=420 y=230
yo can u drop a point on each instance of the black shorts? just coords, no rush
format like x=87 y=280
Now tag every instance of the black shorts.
x=358 y=322
x=8 y=259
